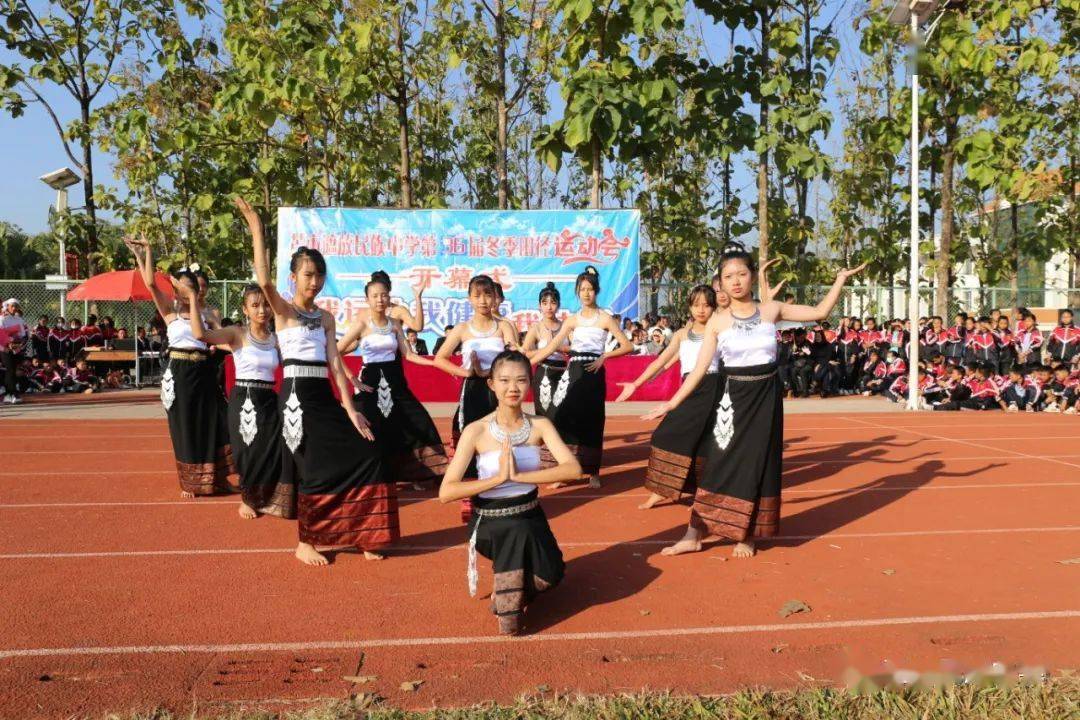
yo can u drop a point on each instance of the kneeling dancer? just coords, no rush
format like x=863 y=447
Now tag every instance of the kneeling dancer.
x=508 y=526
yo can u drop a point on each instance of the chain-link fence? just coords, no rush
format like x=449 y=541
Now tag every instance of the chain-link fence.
x=38 y=298
x=882 y=301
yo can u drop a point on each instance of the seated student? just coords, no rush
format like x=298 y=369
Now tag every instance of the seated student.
x=826 y=365
x=895 y=366
x=937 y=366
x=930 y=391
x=81 y=380
x=49 y=378
x=958 y=391
x=1039 y=379
x=984 y=393
x=872 y=380
x=1017 y=395
x=508 y=525
x=897 y=391
x=1072 y=393
x=1058 y=391
x=802 y=367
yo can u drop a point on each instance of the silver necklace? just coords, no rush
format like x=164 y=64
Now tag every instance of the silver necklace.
x=694 y=337
x=311 y=321
x=746 y=325
x=518 y=437
x=262 y=344
x=487 y=333
x=384 y=330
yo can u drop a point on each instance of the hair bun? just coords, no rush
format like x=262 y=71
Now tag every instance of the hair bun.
x=591 y=270
x=550 y=285
x=733 y=246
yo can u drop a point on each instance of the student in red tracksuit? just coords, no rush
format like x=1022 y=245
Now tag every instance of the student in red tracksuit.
x=958 y=390
x=1017 y=394
x=1028 y=344
x=931 y=338
x=953 y=347
x=1057 y=391
x=1038 y=380
x=984 y=393
x=895 y=366
x=983 y=346
x=1072 y=393
x=1006 y=352
x=873 y=375
x=937 y=368
x=1063 y=345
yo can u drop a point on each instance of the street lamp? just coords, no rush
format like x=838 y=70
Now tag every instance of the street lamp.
x=60 y=180
x=914 y=13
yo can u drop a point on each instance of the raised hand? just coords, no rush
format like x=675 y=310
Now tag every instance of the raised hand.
x=844 y=274
x=768 y=293
x=249 y=213
x=182 y=290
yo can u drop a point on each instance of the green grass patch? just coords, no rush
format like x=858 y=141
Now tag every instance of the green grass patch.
x=1054 y=699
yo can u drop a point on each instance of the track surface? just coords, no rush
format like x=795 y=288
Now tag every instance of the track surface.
x=920 y=541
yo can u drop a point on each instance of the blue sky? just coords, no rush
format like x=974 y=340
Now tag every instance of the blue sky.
x=30 y=147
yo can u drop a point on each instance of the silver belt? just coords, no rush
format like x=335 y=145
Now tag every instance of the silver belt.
x=584 y=358
x=265 y=384
x=306 y=371
x=507 y=511
x=751 y=378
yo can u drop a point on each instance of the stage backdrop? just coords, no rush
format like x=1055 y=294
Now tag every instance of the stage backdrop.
x=442 y=249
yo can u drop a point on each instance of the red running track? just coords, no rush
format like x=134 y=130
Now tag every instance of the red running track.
x=921 y=541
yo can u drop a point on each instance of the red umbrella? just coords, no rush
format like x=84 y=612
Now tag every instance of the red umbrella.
x=119 y=285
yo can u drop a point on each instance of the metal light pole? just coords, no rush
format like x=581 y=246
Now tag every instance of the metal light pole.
x=60 y=180
x=914 y=13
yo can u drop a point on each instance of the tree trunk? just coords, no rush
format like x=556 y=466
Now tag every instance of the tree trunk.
x=763 y=129
x=88 y=188
x=597 y=173
x=1014 y=254
x=401 y=99
x=943 y=274
x=500 y=100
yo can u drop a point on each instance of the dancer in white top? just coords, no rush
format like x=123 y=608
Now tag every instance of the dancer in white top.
x=406 y=435
x=267 y=486
x=507 y=523
x=580 y=415
x=190 y=393
x=738 y=493
x=343 y=498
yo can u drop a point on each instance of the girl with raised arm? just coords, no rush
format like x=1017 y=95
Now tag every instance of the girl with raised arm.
x=401 y=312
x=580 y=418
x=677 y=443
x=407 y=437
x=481 y=338
x=267 y=486
x=738 y=493
x=190 y=392
x=550 y=380
x=343 y=497
x=507 y=523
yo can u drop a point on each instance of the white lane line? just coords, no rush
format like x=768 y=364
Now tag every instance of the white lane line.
x=78 y=473
x=542 y=637
x=992 y=448
x=559 y=496
x=923 y=458
x=812 y=443
x=598 y=543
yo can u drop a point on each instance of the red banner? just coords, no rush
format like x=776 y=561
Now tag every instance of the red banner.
x=430 y=384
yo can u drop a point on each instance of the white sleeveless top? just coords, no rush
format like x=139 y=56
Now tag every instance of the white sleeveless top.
x=587 y=338
x=688 y=355
x=527 y=458
x=486 y=348
x=747 y=343
x=180 y=337
x=256 y=360
x=302 y=343
x=544 y=336
x=377 y=347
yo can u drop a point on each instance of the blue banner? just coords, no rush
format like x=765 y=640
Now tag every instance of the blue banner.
x=442 y=249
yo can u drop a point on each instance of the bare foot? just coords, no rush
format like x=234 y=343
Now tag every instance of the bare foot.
x=651 y=502
x=186 y=495
x=557 y=485
x=308 y=555
x=743 y=550
x=368 y=555
x=247 y=512
x=594 y=482
x=682 y=547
